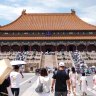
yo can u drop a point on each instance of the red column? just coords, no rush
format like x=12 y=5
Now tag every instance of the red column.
x=40 y=48
x=30 y=47
x=66 y=47
x=0 y=47
x=10 y=48
x=56 y=47
x=86 y=48
x=20 y=48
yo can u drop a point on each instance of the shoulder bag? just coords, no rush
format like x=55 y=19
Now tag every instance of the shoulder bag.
x=39 y=88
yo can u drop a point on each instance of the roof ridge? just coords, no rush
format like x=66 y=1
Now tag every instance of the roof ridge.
x=61 y=13
x=48 y=14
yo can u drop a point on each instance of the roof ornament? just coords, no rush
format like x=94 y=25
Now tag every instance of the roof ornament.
x=73 y=11
x=24 y=11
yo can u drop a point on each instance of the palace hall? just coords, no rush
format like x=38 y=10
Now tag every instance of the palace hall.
x=48 y=32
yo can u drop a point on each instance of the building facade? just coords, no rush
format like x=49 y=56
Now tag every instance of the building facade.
x=48 y=32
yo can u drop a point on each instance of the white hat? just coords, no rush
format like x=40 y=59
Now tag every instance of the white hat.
x=61 y=64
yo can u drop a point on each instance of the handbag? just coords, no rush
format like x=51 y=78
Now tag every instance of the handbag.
x=39 y=88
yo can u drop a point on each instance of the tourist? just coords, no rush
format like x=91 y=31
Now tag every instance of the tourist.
x=83 y=84
x=46 y=81
x=15 y=78
x=21 y=71
x=94 y=81
x=61 y=81
x=73 y=79
x=55 y=70
x=68 y=70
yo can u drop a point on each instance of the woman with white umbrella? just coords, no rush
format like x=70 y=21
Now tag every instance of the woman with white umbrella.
x=19 y=63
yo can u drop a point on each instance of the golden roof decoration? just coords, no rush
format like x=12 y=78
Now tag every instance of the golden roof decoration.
x=23 y=12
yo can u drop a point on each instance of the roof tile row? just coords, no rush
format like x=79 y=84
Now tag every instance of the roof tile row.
x=48 y=21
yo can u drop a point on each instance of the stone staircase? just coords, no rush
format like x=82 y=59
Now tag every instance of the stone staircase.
x=66 y=58
x=48 y=61
x=52 y=60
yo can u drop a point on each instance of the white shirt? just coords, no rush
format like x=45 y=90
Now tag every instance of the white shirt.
x=83 y=80
x=15 y=78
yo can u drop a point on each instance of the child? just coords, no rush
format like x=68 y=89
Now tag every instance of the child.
x=83 y=84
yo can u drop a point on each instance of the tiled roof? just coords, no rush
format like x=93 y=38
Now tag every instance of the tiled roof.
x=51 y=38
x=48 y=21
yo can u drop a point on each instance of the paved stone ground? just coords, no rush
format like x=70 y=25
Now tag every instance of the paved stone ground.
x=27 y=88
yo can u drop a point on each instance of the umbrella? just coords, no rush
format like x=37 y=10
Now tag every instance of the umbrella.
x=18 y=62
x=93 y=66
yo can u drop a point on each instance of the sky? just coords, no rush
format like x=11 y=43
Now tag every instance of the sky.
x=10 y=10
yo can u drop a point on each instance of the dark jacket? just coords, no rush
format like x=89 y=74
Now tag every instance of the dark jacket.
x=4 y=85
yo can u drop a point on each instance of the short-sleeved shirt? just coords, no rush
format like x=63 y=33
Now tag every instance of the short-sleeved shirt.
x=61 y=77
x=83 y=84
x=15 y=78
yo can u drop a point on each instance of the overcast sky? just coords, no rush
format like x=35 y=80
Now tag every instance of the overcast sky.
x=10 y=10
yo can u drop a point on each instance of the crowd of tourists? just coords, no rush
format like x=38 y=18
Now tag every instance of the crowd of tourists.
x=62 y=83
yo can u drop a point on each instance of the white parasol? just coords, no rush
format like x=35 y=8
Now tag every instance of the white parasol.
x=18 y=62
x=93 y=66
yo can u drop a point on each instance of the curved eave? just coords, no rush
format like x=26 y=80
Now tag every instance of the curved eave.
x=94 y=27
x=4 y=26
x=51 y=38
